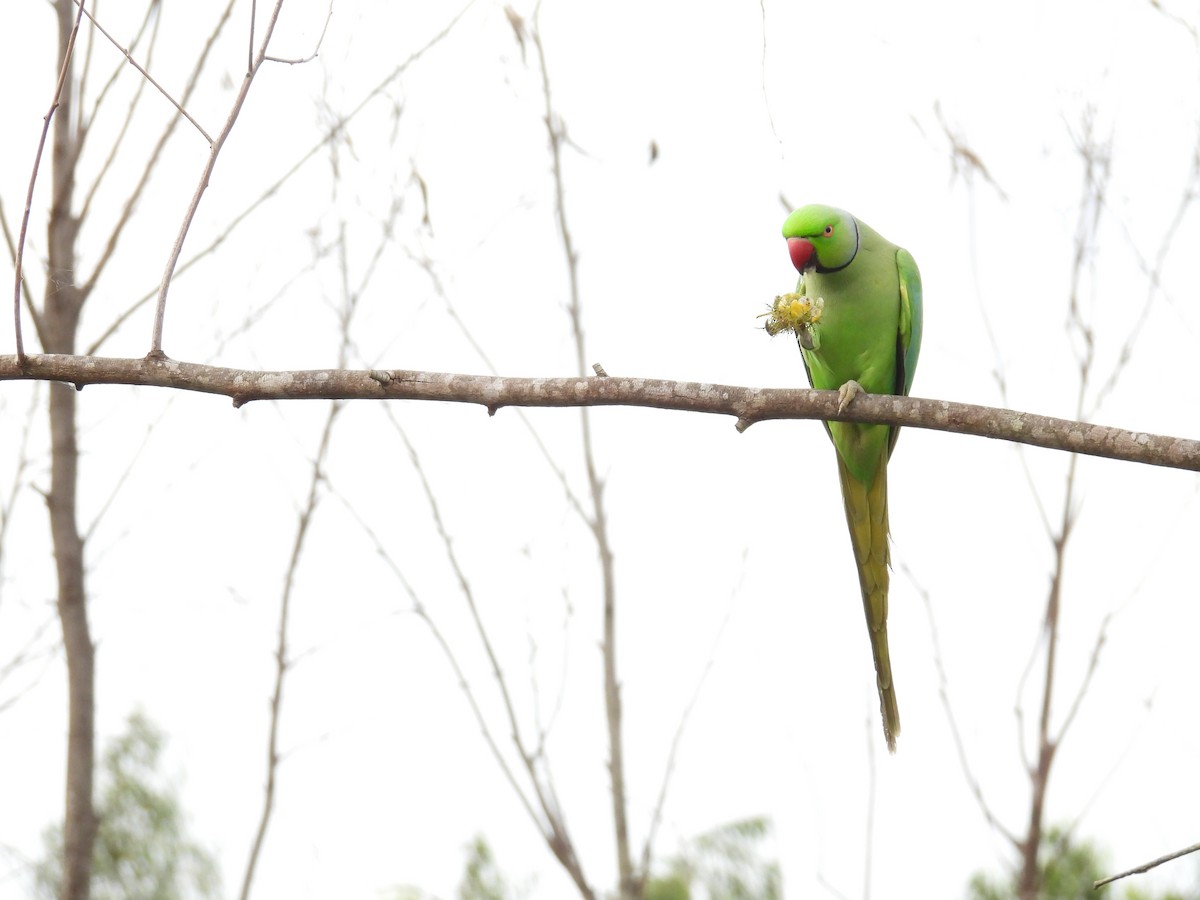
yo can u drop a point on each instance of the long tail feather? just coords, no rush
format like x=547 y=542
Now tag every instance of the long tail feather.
x=867 y=516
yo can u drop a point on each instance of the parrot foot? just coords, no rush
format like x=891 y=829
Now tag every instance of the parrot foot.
x=846 y=394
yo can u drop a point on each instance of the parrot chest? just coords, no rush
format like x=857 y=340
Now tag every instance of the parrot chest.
x=856 y=337
x=856 y=341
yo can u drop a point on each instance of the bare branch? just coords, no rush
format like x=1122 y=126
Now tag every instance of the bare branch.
x=555 y=132
x=84 y=123
x=1145 y=867
x=331 y=134
x=160 y=310
x=316 y=49
x=202 y=185
x=63 y=74
x=677 y=738
x=134 y=196
x=146 y=75
x=1178 y=20
x=1096 y=158
x=130 y=466
x=418 y=607
x=747 y=404
x=12 y=254
x=282 y=661
x=1093 y=662
x=963 y=160
x=944 y=692
x=552 y=823
x=20 y=465
x=1153 y=272
x=30 y=653
x=439 y=288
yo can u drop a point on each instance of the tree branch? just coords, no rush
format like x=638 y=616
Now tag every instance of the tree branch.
x=598 y=518
x=944 y=693
x=61 y=89
x=1145 y=867
x=748 y=404
x=215 y=151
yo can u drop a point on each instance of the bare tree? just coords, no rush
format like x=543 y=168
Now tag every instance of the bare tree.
x=68 y=362
x=1043 y=728
x=72 y=115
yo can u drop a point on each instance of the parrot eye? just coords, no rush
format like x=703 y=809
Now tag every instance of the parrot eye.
x=828 y=232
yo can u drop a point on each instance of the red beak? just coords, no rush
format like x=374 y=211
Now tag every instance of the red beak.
x=801 y=252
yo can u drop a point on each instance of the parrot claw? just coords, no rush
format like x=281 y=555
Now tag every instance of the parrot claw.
x=804 y=336
x=846 y=394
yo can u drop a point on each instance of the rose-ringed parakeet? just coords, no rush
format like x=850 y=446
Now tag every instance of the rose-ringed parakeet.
x=866 y=338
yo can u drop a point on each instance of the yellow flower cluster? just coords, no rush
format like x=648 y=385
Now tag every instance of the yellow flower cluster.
x=793 y=312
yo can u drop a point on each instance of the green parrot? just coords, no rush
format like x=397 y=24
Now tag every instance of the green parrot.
x=866 y=337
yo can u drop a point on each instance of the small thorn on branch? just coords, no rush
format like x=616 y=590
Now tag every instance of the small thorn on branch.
x=492 y=410
x=743 y=423
x=379 y=375
x=599 y=370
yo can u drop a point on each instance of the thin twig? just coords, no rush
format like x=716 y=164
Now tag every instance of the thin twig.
x=439 y=288
x=552 y=822
x=1153 y=273
x=681 y=727
x=627 y=889
x=1093 y=663
x=20 y=466
x=27 y=295
x=944 y=692
x=1145 y=867
x=1096 y=169
x=333 y=132
x=161 y=307
x=130 y=467
x=134 y=196
x=37 y=162
x=316 y=49
x=27 y=655
x=418 y=607
x=146 y=75
x=282 y=661
x=83 y=129
x=81 y=122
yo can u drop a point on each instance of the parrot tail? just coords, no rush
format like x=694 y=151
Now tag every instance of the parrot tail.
x=867 y=516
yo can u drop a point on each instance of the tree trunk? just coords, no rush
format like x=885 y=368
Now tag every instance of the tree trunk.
x=63 y=303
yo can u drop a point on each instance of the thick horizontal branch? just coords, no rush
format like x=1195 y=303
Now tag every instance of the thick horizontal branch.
x=748 y=405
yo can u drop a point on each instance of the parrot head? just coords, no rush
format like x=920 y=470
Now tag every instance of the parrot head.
x=821 y=238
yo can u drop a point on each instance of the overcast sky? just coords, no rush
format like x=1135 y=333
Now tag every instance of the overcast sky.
x=731 y=550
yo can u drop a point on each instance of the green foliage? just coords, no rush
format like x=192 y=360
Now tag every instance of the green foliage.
x=1068 y=869
x=723 y=864
x=482 y=879
x=406 y=892
x=669 y=887
x=142 y=849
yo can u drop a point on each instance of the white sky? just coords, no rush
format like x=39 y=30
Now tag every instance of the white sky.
x=725 y=541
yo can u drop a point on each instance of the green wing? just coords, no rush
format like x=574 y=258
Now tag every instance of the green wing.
x=908 y=335
x=908 y=339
